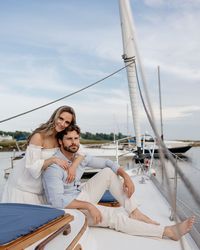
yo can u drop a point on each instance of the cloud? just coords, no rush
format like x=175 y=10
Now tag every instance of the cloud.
x=48 y=54
x=174 y=113
x=173 y=3
x=177 y=43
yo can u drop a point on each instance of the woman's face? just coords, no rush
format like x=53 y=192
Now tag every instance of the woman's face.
x=63 y=121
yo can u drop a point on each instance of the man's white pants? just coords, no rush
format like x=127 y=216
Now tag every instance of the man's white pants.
x=115 y=217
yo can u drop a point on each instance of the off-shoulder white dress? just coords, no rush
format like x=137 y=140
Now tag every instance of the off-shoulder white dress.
x=24 y=184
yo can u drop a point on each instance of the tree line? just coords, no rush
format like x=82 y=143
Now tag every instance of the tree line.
x=23 y=135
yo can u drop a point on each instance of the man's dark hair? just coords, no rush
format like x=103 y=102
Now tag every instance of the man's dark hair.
x=71 y=128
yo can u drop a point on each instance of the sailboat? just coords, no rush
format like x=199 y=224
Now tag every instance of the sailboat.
x=177 y=148
x=77 y=235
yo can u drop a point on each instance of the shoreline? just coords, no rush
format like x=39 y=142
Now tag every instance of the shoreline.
x=9 y=146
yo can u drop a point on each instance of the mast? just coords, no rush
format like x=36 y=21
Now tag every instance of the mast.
x=130 y=56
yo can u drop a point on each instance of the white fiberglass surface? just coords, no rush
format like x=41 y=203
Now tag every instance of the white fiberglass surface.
x=155 y=206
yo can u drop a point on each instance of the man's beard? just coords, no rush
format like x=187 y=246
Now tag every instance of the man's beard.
x=71 y=149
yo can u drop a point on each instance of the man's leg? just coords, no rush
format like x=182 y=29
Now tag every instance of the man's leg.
x=118 y=219
x=106 y=179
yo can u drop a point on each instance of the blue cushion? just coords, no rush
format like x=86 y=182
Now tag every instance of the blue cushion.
x=107 y=197
x=17 y=220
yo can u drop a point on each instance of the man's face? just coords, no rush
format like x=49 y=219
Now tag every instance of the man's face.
x=70 y=142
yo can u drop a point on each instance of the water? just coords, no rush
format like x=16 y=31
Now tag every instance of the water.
x=5 y=162
x=190 y=166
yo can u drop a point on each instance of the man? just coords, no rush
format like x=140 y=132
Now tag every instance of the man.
x=127 y=218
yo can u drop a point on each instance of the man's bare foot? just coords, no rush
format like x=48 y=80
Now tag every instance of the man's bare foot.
x=138 y=215
x=175 y=232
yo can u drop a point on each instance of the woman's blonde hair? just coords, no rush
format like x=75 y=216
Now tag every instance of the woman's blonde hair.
x=47 y=128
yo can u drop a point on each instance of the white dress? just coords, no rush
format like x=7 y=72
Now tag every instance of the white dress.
x=24 y=184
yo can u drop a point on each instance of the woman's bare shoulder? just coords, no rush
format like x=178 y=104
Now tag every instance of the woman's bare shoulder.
x=37 y=139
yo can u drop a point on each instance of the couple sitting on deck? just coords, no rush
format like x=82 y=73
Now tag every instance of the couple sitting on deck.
x=60 y=170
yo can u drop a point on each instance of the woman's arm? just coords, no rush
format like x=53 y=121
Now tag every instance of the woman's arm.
x=54 y=160
x=72 y=169
x=34 y=162
x=38 y=140
x=76 y=162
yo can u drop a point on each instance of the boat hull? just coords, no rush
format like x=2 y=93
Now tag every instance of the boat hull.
x=174 y=150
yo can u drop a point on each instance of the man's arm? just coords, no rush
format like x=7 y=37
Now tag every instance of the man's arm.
x=128 y=185
x=53 y=182
x=95 y=162
x=94 y=212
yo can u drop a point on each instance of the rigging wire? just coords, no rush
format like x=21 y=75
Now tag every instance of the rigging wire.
x=150 y=115
x=162 y=148
x=165 y=150
x=66 y=96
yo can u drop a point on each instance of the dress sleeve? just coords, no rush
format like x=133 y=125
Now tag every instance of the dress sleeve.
x=34 y=161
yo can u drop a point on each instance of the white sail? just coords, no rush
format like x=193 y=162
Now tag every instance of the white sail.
x=130 y=56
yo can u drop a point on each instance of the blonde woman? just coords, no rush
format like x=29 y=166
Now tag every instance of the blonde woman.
x=24 y=183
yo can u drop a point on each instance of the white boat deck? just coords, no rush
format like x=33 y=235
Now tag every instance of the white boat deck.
x=62 y=242
x=151 y=203
x=155 y=206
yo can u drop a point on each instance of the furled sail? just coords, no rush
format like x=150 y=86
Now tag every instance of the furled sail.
x=130 y=56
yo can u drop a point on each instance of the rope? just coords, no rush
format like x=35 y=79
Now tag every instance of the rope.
x=66 y=96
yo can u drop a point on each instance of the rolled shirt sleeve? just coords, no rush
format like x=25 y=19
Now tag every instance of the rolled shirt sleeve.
x=95 y=162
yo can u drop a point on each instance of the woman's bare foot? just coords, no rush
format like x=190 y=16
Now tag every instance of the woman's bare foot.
x=175 y=232
x=138 y=215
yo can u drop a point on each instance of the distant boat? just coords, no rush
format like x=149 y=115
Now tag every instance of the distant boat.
x=177 y=147
x=6 y=137
x=113 y=151
x=174 y=146
x=149 y=145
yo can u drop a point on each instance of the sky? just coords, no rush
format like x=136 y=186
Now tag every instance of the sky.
x=52 y=48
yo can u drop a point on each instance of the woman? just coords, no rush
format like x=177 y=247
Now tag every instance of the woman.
x=24 y=183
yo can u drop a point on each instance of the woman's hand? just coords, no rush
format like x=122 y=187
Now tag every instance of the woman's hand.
x=62 y=163
x=71 y=174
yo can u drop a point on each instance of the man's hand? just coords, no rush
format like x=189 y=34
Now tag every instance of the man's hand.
x=95 y=213
x=128 y=186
